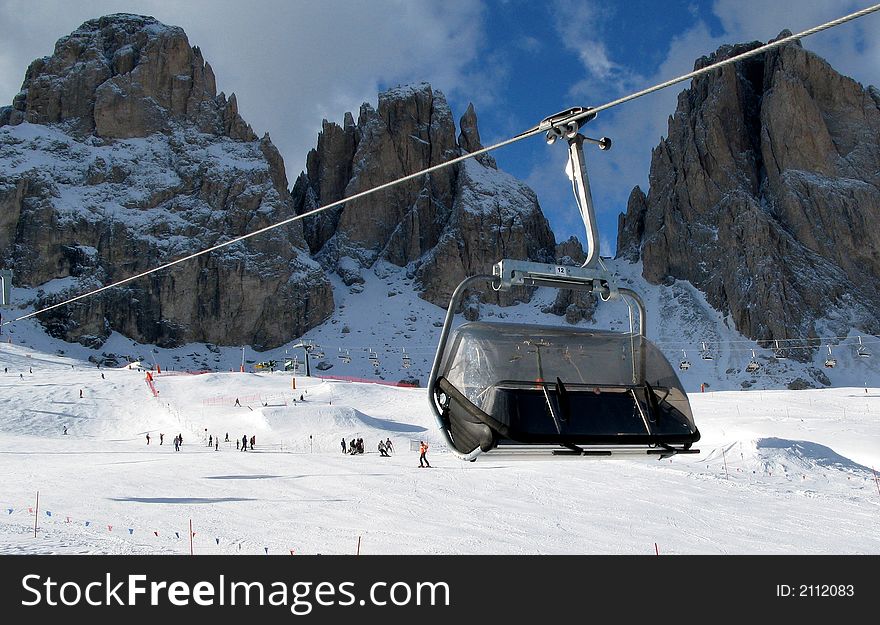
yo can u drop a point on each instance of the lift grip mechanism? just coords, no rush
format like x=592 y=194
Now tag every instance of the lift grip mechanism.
x=510 y=273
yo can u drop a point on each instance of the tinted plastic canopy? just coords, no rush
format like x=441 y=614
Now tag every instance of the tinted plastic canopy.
x=521 y=383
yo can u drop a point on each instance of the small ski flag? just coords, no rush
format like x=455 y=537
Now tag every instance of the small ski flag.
x=130 y=531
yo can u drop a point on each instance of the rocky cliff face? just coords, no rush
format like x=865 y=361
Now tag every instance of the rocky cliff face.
x=444 y=226
x=118 y=156
x=766 y=196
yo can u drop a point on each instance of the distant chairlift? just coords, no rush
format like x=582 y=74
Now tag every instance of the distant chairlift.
x=298 y=367
x=778 y=352
x=344 y=357
x=753 y=365
x=685 y=364
x=862 y=350
x=830 y=361
x=407 y=363
x=316 y=352
x=705 y=353
x=374 y=359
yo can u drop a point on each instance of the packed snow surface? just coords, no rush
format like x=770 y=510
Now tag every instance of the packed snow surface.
x=779 y=472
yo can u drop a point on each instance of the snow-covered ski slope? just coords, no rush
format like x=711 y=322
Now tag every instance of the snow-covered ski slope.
x=779 y=472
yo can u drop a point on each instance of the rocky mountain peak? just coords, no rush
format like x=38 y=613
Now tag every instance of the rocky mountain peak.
x=469 y=137
x=765 y=195
x=123 y=76
x=448 y=224
x=118 y=156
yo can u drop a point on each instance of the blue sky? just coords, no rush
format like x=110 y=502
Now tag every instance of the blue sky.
x=293 y=63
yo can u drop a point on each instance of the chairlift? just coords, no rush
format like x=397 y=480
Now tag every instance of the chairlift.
x=407 y=363
x=862 y=350
x=523 y=388
x=685 y=364
x=374 y=358
x=316 y=352
x=344 y=357
x=753 y=365
x=778 y=352
x=705 y=353
x=830 y=361
x=297 y=367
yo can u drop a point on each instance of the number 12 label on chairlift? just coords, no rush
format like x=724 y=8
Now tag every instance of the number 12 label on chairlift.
x=561 y=271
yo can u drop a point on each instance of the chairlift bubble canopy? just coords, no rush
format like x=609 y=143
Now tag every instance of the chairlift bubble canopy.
x=524 y=384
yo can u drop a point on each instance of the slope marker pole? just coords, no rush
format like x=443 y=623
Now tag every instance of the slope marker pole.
x=37 y=514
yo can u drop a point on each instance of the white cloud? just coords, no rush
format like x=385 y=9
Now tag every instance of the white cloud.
x=291 y=64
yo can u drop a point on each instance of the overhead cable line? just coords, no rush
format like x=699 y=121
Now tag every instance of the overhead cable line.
x=556 y=121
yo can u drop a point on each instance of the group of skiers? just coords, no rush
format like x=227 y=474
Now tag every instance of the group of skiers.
x=244 y=442
x=356 y=446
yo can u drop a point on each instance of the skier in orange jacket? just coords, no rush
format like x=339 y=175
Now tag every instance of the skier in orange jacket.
x=423 y=449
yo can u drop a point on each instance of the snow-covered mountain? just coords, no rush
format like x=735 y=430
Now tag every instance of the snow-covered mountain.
x=765 y=195
x=85 y=200
x=118 y=156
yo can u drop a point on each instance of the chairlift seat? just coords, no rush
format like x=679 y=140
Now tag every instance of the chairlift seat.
x=562 y=386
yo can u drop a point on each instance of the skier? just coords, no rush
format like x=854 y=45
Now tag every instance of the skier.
x=227 y=438
x=343 y=444
x=244 y=443
x=253 y=442
x=423 y=449
x=217 y=444
x=102 y=377
x=161 y=438
x=388 y=446
x=210 y=441
x=382 y=451
x=176 y=443
x=80 y=393
x=237 y=403
x=180 y=438
x=65 y=429
x=237 y=444
x=148 y=438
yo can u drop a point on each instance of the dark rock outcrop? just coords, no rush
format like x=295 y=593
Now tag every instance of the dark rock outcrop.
x=766 y=194
x=445 y=225
x=118 y=156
